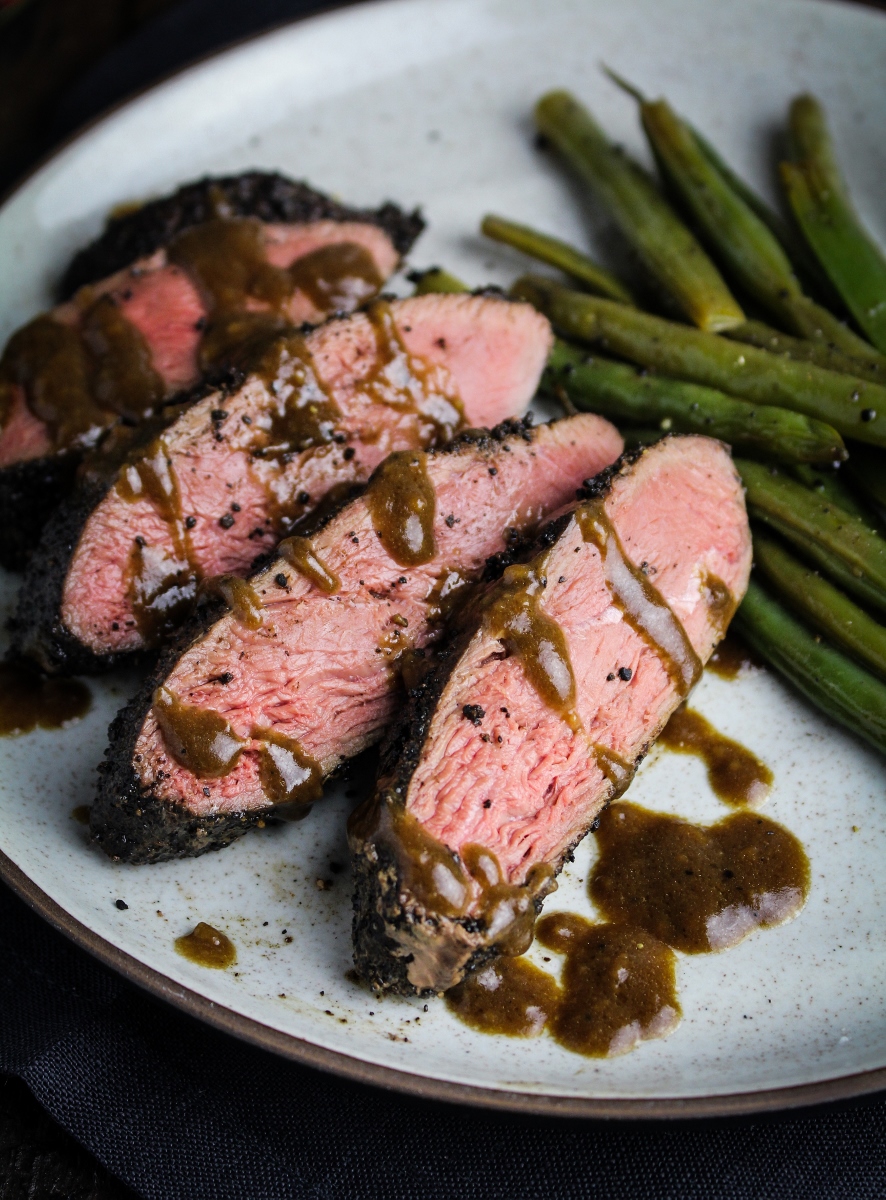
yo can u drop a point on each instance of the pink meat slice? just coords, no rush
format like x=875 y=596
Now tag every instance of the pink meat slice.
x=486 y=351
x=317 y=670
x=521 y=782
x=166 y=307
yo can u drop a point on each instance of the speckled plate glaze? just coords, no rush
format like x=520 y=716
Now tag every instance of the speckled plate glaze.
x=428 y=101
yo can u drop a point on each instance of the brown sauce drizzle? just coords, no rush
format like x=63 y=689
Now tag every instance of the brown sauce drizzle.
x=124 y=379
x=402 y=504
x=618 y=986
x=643 y=606
x=697 y=888
x=198 y=739
x=736 y=775
x=450 y=885
x=240 y=596
x=289 y=776
x=446 y=595
x=29 y=700
x=299 y=552
x=161 y=589
x=207 y=947
x=306 y=416
x=337 y=277
x=204 y=743
x=50 y=362
x=617 y=770
x=720 y=601
x=402 y=380
x=514 y=615
x=732 y=659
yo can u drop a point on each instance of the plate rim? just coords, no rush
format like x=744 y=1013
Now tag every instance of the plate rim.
x=358 y=1070
x=296 y=1049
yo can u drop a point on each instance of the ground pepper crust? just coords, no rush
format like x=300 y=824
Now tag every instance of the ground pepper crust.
x=127 y=820
x=29 y=493
x=267 y=195
x=38 y=631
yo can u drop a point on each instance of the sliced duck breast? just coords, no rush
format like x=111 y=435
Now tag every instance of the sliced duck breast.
x=205 y=267
x=303 y=673
x=118 y=566
x=539 y=710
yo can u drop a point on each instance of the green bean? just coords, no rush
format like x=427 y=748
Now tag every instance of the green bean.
x=764 y=337
x=841 y=545
x=551 y=250
x=830 y=486
x=741 y=240
x=623 y=394
x=435 y=279
x=822 y=206
x=854 y=407
x=825 y=607
x=658 y=235
x=829 y=679
x=803 y=261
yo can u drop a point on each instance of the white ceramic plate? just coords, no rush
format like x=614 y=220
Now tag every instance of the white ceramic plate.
x=428 y=101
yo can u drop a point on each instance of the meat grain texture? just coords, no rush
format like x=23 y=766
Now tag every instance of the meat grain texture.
x=448 y=360
x=322 y=671
x=164 y=307
x=486 y=787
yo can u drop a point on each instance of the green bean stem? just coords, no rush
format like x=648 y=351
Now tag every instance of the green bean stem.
x=841 y=545
x=824 y=606
x=559 y=254
x=820 y=201
x=666 y=246
x=829 y=679
x=621 y=393
x=854 y=407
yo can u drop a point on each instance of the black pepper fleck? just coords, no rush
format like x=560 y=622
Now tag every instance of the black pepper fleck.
x=473 y=713
x=625 y=673
x=280 y=580
x=226 y=521
x=121 y=904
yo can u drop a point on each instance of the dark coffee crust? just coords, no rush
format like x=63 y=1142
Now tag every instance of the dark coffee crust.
x=379 y=891
x=266 y=195
x=29 y=493
x=38 y=631
x=127 y=820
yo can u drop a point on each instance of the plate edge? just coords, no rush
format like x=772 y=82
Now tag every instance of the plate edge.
x=247 y=1029
x=288 y=1046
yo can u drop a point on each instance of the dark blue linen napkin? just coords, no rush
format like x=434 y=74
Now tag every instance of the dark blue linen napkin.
x=181 y=1112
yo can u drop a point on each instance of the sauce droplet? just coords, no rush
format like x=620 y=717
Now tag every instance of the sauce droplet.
x=29 y=699
x=697 y=888
x=402 y=503
x=288 y=775
x=208 y=947
x=240 y=596
x=198 y=739
x=736 y=775
x=732 y=659
x=80 y=814
x=514 y=614
x=299 y=552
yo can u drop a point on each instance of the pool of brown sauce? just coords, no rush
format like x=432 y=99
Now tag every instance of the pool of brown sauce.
x=28 y=700
x=207 y=947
